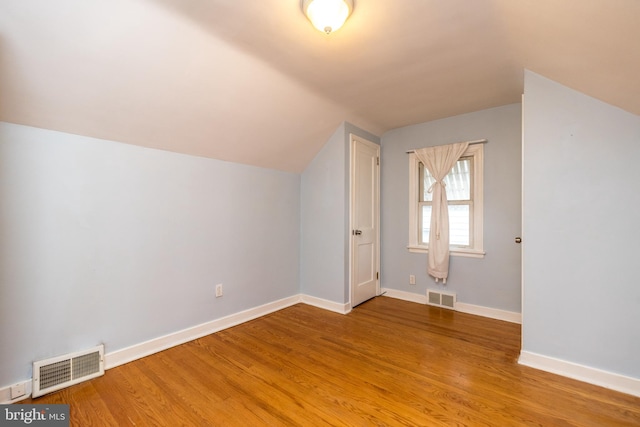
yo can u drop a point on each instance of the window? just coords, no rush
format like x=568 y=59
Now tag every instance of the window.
x=464 y=194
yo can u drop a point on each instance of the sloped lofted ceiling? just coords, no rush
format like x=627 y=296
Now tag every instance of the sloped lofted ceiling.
x=253 y=82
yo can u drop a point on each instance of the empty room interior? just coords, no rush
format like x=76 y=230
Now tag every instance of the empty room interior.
x=231 y=213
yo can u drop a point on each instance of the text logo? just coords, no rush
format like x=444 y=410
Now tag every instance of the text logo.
x=34 y=415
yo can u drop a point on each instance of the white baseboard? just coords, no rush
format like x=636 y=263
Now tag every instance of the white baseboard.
x=138 y=351
x=493 y=313
x=326 y=304
x=583 y=373
x=406 y=296
x=478 y=310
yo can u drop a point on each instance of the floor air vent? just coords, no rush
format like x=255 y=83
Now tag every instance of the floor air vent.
x=441 y=299
x=62 y=371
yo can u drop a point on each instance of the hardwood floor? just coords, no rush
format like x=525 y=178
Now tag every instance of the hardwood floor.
x=387 y=363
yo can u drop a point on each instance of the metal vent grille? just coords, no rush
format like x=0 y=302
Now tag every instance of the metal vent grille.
x=62 y=371
x=434 y=298
x=86 y=365
x=55 y=373
x=448 y=300
x=441 y=299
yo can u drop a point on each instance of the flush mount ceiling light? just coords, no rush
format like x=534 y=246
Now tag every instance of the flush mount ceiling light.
x=327 y=15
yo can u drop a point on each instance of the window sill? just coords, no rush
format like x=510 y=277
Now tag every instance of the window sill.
x=466 y=252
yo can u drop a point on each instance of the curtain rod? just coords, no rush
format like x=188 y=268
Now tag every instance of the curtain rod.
x=477 y=141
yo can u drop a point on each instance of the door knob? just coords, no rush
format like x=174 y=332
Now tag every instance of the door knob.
x=357 y=232
x=518 y=240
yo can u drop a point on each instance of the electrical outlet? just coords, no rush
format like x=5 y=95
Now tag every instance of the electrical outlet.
x=218 y=290
x=18 y=390
x=412 y=279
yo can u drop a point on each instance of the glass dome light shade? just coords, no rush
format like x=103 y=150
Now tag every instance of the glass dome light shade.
x=327 y=15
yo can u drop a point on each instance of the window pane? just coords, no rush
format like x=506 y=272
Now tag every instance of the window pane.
x=458 y=181
x=427 y=180
x=425 y=224
x=459 y=225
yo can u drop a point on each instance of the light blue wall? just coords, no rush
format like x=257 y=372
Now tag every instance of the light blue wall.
x=322 y=207
x=102 y=242
x=490 y=282
x=324 y=212
x=581 y=229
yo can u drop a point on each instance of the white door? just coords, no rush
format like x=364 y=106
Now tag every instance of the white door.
x=365 y=208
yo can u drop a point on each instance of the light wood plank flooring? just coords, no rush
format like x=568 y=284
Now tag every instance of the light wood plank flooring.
x=387 y=363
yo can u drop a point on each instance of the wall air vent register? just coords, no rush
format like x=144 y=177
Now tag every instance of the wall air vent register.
x=66 y=370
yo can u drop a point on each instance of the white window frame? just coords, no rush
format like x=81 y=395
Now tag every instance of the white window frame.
x=476 y=152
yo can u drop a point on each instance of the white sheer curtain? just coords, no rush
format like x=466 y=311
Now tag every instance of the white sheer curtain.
x=439 y=160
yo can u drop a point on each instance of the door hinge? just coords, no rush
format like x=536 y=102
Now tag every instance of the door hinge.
x=377 y=275
x=378 y=161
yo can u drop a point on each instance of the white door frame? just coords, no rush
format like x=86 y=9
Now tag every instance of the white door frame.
x=352 y=140
x=522 y=145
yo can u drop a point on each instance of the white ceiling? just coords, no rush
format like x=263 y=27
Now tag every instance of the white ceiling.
x=253 y=82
